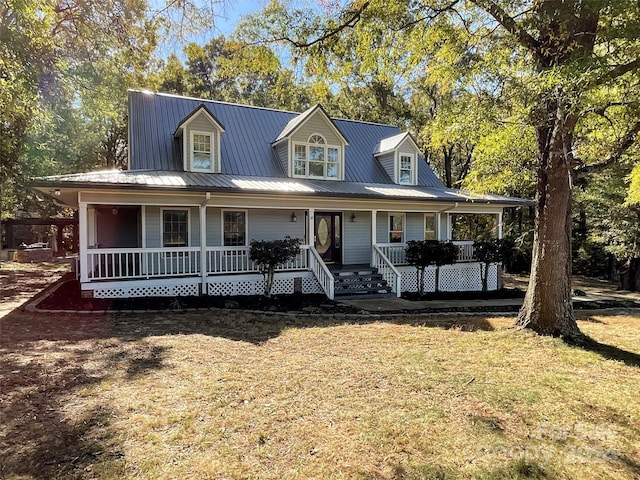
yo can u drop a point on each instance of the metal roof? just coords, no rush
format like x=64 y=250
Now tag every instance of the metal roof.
x=246 y=143
x=192 y=181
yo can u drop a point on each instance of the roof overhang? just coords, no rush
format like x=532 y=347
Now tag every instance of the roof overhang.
x=199 y=110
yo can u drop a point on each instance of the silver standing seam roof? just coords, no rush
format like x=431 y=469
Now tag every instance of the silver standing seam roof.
x=248 y=160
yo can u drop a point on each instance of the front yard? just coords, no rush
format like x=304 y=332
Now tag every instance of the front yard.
x=200 y=395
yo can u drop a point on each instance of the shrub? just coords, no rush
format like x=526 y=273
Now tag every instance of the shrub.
x=268 y=254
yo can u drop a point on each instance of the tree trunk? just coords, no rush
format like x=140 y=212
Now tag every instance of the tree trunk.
x=547 y=307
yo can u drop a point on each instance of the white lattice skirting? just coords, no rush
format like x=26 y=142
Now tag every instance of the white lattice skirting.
x=459 y=277
x=254 y=284
x=284 y=283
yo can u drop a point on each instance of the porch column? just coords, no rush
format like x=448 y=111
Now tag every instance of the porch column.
x=374 y=232
x=312 y=228
x=203 y=247
x=500 y=225
x=82 y=250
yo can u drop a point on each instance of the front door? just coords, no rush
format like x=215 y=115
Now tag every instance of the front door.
x=328 y=241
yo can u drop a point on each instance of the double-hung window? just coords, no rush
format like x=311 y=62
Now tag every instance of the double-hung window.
x=430 y=226
x=202 y=152
x=316 y=159
x=234 y=226
x=396 y=228
x=407 y=169
x=175 y=228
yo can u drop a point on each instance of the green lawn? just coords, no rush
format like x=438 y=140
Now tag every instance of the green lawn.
x=197 y=395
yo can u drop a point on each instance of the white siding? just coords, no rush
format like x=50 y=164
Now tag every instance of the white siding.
x=356 y=243
x=382 y=227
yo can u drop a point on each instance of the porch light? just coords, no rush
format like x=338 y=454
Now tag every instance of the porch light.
x=354 y=219
x=114 y=211
x=294 y=217
x=57 y=192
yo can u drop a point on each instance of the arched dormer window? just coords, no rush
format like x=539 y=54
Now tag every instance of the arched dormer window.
x=316 y=159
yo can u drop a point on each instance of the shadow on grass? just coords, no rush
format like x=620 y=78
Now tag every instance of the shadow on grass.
x=45 y=433
x=515 y=470
x=609 y=352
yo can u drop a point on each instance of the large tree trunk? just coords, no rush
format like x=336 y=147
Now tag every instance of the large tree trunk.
x=547 y=307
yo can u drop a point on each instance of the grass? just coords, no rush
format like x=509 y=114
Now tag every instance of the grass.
x=190 y=395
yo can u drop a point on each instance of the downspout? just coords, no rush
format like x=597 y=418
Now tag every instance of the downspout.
x=203 y=241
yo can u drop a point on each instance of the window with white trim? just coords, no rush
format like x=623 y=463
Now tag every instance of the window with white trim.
x=430 y=230
x=203 y=152
x=396 y=228
x=175 y=228
x=234 y=228
x=316 y=159
x=406 y=169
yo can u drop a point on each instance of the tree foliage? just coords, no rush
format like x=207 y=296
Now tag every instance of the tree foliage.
x=422 y=253
x=268 y=254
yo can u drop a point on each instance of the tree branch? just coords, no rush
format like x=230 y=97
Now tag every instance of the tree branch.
x=349 y=22
x=622 y=146
x=617 y=71
x=509 y=24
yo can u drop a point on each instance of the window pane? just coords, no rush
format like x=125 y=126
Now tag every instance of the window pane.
x=405 y=176
x=405 y=162
x=234 y=229
x=316 y=139
x=332 y=155
x=174 y=228
x=201 y=161
x=430 y=227
x=332 y=170
x=316 y=169
x=316 y=154
x=396 y=222
x=300 y=152
x=300 y=167
x=202 y=143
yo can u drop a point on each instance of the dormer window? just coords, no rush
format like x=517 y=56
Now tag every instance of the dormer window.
x=407 y=169
x=200 y=132
x=316 y=159
x=202 y=158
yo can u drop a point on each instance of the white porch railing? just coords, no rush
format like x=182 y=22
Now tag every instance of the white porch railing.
x=130 y=263
x=387 y=270
x=122 y=263
x=225 y=260
x=322 y=273
x=395 y=252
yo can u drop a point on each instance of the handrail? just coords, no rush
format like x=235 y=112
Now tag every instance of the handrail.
x=225 y=260
x=322 y=273
x=389 y=272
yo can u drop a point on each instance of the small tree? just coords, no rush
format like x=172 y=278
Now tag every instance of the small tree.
x=488 y=252
x=268 y=254
x=423 y=253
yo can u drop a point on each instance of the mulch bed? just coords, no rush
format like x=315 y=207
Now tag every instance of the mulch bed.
x=491 y=295
x=67 y=297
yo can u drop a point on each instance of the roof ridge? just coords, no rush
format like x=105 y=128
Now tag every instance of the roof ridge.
x=199 y=99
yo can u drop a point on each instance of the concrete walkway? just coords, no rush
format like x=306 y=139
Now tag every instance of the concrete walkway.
x=589 y=293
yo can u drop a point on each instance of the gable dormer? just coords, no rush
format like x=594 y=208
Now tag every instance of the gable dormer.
x=398 y=155
x=200 y=132
x=312 y=146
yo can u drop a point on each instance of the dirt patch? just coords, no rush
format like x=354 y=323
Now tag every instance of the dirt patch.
x=19 y=282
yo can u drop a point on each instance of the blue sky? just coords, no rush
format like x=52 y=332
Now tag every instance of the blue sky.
x=231 y=12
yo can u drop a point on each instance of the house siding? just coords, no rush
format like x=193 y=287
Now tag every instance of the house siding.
x=153 y=225
x=275 y=224
x=357 y=238
x=388 y=163
x=282 y=153
x=214 y=227
x=414 y=228
x=316 y=124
